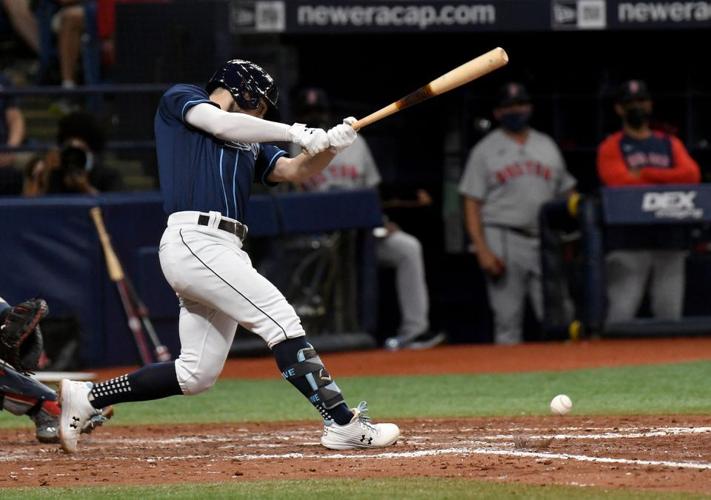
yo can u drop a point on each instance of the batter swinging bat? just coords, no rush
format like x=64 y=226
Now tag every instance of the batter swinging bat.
x=138 y=321
x=477 y=67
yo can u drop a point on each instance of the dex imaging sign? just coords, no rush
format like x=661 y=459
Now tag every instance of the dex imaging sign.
x=672 y=205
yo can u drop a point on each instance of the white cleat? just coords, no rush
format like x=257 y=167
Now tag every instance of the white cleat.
x=76 y=412
x=359 y=433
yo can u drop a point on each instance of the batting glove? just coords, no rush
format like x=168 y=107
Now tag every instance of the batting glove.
x=342 y=136
x=313 y=140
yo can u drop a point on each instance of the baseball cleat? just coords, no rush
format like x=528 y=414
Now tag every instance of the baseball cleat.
x=77 y=412
x=424 y=340
x=428 y=340
x=359 y=432
x=47 y=422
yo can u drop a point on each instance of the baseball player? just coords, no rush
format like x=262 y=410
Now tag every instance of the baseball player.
x=355 y=168
x=635 y=156
x=211 y=147
x=508 y=176
x=20 y=350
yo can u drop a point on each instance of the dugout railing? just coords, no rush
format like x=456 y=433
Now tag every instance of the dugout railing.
x=577 y=234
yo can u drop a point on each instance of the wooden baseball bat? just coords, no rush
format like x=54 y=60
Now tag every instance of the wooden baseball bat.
x=129 y=299
x=477 y=67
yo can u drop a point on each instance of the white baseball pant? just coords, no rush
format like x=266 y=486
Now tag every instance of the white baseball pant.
x=218 y=289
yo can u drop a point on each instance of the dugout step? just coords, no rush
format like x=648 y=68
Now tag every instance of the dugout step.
x=649 y=327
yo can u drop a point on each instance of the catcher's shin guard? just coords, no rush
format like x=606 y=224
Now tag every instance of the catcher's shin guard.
x=300 y=365
x=20 y=394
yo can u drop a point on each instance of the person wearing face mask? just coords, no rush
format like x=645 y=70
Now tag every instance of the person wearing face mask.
x=508 y=176
x=635 y=156
x=355 y=168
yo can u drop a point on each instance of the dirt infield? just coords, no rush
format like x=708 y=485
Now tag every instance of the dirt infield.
x=665 y=453
x=657 y=453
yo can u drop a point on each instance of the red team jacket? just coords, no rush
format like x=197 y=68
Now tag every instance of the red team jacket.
x=660 y=159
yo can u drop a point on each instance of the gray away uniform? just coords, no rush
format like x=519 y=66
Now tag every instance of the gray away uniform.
x=355 y=168
x=513 y=181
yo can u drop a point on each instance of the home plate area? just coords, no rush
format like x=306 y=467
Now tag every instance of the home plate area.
x=651 y=452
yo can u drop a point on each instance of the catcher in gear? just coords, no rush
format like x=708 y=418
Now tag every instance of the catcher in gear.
x=20 y=350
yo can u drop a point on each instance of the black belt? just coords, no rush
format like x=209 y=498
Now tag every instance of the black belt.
x=520 y=231
x=236 y=228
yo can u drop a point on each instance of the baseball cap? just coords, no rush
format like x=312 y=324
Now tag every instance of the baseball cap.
x=512 y=93
x=633 y=90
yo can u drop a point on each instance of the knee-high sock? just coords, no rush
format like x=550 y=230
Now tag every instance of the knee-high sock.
x=154 y=381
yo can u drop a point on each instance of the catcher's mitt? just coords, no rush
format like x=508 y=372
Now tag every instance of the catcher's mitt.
x=20 y=337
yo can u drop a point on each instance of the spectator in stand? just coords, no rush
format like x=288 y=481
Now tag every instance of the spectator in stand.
x=12 y=125
x=68 y=23
x=62 y=26
x=23 y=21
x=12 y=134
x=635 y=156
x=77 y=167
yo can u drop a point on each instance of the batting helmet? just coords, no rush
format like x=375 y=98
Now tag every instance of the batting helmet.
x=246 y=81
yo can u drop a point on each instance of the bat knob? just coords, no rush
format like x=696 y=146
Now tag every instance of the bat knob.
x=162 y=353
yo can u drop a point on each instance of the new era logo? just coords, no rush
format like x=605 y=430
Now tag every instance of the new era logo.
x=578 y=14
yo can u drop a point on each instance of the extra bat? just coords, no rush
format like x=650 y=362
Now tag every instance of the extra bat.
x=477 y=67
x=136 y=312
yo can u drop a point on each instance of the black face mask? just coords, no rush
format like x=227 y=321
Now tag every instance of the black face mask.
x=515 y=122
x=636 y=117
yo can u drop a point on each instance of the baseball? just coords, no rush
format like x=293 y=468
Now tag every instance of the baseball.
x=561 y=404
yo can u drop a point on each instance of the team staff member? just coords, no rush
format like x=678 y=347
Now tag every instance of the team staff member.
x=508 y=176
x=210 y=151
x=636 y=156
x=355 y=168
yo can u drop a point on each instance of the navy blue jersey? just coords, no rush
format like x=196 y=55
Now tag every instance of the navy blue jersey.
x=654 y=151
x=199 y=171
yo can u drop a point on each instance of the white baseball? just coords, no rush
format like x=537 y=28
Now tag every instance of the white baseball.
x=561 y=404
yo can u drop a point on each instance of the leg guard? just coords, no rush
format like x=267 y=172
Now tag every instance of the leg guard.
x=20 y=394
x=309 y=376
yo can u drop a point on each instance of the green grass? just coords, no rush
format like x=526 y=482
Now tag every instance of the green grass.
x=656 y=389
x=386 y=489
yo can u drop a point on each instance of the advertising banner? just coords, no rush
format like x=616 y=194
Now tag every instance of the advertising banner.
x=414 y=16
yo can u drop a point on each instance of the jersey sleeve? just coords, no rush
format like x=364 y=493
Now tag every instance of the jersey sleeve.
x=611 y=166
x=474 y=182
x=684 y=171
x=266 y=160
x=179 y=99
x=565 y=181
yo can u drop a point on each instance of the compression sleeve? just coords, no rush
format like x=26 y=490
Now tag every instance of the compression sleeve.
x=237 y=127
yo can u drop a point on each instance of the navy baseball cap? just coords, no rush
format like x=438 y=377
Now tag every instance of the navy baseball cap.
x=633 y=90
x=512 y=93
